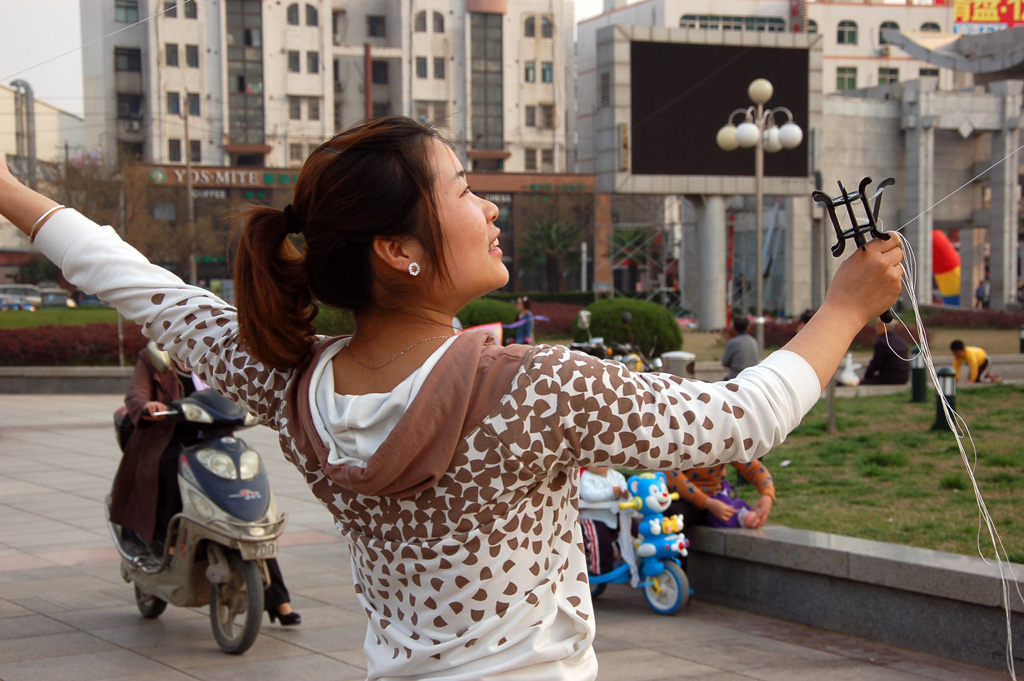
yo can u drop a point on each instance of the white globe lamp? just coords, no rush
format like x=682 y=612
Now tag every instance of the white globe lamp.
x=726 y=137
x=747 y=134
x=790 y=135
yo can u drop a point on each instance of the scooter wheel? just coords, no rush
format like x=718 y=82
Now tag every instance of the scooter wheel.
x=672 y=592
x=151 y=607
x=236 y=607
x=597 y=589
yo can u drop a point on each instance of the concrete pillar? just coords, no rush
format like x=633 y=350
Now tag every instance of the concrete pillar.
x=799 y=256
x=1003 y=210
x=711 y=249
x=602 y=243
x=972 y=262
x=919 y=148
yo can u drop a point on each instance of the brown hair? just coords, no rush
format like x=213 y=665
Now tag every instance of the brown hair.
x=375 y=180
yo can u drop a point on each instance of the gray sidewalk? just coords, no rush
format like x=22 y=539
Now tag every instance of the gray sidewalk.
x=65 y=613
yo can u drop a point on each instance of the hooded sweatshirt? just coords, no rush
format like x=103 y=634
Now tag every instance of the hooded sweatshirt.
x=459 y=498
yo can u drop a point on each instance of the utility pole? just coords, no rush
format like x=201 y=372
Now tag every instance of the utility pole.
x=190 y=202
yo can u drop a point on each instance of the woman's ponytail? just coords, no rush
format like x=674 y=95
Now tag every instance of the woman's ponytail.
x=275 y=306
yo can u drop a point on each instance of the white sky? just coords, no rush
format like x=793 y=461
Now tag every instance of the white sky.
x=40 y=41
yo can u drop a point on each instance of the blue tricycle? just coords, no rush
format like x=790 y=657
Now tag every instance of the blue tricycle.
x=652 y=561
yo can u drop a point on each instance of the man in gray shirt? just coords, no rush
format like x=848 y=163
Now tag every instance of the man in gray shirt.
x=741 y=351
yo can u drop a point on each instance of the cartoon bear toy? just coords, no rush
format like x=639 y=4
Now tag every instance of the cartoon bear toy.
x=659 y=535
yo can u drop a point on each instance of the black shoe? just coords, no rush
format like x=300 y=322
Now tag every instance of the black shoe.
x=289 y=620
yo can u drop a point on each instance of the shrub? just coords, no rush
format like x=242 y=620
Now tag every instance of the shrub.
x=652 y=325
x=975 y=319
x=333 y=322
x=487 y=311
x=88 y=345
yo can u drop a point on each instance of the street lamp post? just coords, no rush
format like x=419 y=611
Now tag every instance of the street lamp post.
x=760 y=131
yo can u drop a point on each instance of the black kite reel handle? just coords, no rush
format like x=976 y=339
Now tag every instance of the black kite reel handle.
x=863 y=224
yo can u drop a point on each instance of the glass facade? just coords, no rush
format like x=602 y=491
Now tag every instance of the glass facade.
x=486 y=77
x=245 y=71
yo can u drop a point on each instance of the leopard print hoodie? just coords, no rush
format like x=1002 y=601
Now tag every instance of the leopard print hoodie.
x=465 y=548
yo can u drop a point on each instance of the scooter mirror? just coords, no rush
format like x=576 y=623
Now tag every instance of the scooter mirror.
x=627 y=317
x=583 y=320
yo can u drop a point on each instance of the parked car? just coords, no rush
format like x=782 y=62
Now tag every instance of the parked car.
x=32 y=293
x=56 y=297
x=12 y=302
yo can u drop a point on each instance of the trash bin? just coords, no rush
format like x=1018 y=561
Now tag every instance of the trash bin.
x=679 y=363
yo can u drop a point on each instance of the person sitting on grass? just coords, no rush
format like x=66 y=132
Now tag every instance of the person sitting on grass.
x=978 y=363
x=888 y=365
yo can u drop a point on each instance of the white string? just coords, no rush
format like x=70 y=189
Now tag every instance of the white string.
x=958 y=426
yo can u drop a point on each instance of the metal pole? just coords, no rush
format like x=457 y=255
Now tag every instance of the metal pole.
x=190 y=202
x=759 y=228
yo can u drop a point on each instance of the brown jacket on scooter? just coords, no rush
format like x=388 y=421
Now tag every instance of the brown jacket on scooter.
x=133 y=500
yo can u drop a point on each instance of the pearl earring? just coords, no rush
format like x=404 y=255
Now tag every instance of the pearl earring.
x=414 y=268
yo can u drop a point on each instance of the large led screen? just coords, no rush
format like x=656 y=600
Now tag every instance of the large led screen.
x=683 y=93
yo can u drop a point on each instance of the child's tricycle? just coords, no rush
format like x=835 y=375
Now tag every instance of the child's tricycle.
x=651 y=561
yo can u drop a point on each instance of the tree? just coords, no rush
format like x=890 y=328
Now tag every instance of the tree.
x=549 y=244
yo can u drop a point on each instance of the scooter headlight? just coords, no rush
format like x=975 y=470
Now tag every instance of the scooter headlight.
x=195 y=414
x=657 y=364
x=248 y=465
x=218 y=463
x=203 y=507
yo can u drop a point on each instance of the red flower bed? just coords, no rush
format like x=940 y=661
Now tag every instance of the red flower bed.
x=89 y=345
x=561 y=317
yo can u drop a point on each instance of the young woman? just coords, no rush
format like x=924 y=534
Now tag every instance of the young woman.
x=451 y=464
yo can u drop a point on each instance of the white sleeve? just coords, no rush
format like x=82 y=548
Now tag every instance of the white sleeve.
x=192 y=324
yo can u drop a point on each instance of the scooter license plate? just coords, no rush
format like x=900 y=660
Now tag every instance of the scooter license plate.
x=262 y=550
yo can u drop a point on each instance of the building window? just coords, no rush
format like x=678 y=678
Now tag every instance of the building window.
x=380 y=72
x=171 y=54
x=547 y=116
x=312 y=16
x=313 y=108
x=171 y=9
x=425 y=110
x=531 y=117
x=421 y=67
x=547 y=72
x=930 y=27
x=294 y=108
x=928 y=73
x=174 y=151
x=421 y=22
x=295 y=153
x=847 y=34
x=486 y=69
x=381 y=109
x=888 y=75
x=312 y=62
x=195 y=148
x=530 y=72
x=173 y=103
x=886 y=26
x=438 y=22
x=439 y=68
x=126 y=11
x=191 y=9
x=547 y=160
x=376 y=27
x=530 y=159
x=193 y=104
x=293 y=14
x=127 y=59
x=294 y=61
x=715 y=22
x=192 y=56
x=129 y=106
x=547 y=29
x=530 y=27
x=846 y=78
x=812 y=26
x=245 y=103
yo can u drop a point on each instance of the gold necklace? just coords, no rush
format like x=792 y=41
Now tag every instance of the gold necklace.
x=348 y=346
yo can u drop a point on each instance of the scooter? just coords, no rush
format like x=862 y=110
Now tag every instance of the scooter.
x=652 y=561
x=626 y=353
x=215 y=548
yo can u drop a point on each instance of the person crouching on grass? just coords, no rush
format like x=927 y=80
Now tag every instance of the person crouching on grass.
x=450 y=464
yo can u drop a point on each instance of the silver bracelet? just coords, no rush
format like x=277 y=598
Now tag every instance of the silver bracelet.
x=39 y=222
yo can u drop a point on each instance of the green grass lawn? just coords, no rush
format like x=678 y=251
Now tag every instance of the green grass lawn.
x=886 y=475
x=56 y=316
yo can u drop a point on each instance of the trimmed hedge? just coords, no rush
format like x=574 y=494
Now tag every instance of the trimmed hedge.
x=653 y=325
x=487 y=311
x=88 y=345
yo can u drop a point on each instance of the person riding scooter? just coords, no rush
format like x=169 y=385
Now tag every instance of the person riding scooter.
x=145 y=494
